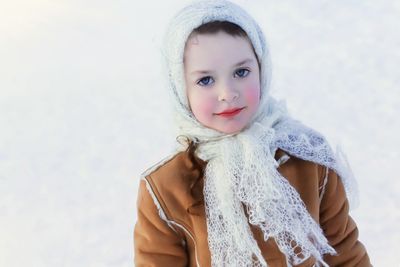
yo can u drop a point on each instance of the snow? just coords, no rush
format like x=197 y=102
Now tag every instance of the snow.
x=83 y=112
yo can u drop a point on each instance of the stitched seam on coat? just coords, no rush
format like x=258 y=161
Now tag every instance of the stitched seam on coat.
x=323 y=187
x=191 y=236
x=283 y=159
x=157 y=165
x=168 y=221
x=159 y=198
x=161 y=212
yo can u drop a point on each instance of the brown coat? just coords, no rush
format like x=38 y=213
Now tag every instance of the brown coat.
x=174 y=235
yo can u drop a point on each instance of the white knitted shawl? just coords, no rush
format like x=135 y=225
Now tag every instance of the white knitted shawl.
x=241 y=172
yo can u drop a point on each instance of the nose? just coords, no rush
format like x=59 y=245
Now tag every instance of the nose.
x=228 y=93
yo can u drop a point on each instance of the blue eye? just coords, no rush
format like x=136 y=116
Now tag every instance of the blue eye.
x=205 y=80
x=241 y=74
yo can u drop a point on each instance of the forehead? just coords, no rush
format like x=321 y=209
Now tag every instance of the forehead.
x=213 y=47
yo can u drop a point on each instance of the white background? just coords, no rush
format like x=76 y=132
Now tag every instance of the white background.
x=83 y=112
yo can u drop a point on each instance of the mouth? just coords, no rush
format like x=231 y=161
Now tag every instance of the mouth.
x=230 y=112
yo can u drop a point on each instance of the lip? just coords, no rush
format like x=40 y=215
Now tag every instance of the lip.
x=230 y=112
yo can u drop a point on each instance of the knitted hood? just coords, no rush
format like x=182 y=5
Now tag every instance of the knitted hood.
x=175 y=39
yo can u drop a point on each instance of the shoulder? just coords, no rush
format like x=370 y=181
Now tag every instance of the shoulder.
x=291 y=164
x=302 y=174
x=171 y=179
x=174 y=168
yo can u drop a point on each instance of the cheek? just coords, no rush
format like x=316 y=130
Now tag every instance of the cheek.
x=252 y=95
x=202 y=106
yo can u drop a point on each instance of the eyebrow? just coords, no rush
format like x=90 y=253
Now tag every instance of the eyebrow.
x=248 y=60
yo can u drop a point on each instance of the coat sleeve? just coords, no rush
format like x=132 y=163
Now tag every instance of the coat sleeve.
x=339 y=228
x=155 y=243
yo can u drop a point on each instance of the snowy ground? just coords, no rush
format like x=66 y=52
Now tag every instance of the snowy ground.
x=83 y=113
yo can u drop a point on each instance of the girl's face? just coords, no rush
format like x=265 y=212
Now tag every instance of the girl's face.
x=222 y=80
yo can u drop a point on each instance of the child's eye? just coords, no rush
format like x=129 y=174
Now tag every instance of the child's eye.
x=242 y=72
x=205 y=81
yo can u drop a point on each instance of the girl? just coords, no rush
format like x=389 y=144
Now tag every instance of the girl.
x=249 y=185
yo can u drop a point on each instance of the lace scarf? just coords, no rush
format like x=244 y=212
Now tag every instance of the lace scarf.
x=241 y=172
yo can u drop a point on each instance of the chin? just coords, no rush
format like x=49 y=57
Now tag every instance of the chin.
x=230 y=130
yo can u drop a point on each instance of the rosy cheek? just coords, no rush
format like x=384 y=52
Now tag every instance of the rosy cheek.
x=202 y=107
x=252 y=95
x=206 y=107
